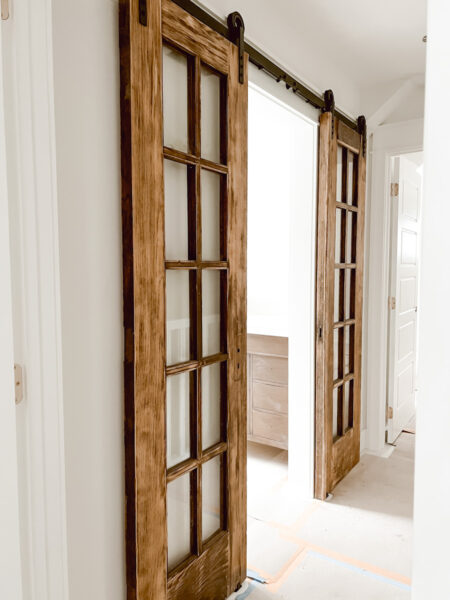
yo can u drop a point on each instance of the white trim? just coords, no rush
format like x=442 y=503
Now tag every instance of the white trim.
x=10 y=560
x=32 y=164
x=388 y=141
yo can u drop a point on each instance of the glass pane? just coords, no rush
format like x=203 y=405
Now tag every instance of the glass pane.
x=176 y=210
x=346 y=350
x=210 y=117
x=349 y=177
x=338 y=309
x=211 y=312
x=175 y=99
x=178 y=520
x=339 y=175
x=346 y=404
x=210 y=497
x=178 y=417
x=335 y=353
x=335 y=413
x=348 y=290
x=211 y=405
x=350 y=238
x=210 y=193
x=177 y=315
x=340 y=232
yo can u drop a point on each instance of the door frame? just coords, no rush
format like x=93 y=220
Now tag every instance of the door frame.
x=386 y=142
x=31 y=157
x=393 y=276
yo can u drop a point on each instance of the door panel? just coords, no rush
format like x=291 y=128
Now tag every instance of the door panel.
x=339 y=301
x=404 y=271
x=184 y=127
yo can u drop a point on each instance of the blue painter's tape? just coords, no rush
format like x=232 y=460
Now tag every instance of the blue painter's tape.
x=399 y=584
x=256 y=576
x=247 y=592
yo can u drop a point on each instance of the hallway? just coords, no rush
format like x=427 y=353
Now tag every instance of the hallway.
x=355 y=546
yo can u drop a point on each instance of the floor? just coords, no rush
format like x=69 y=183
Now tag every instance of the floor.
x=355 y=546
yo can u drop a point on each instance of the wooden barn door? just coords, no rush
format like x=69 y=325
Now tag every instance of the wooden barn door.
x=184 y=151
x=340 y=248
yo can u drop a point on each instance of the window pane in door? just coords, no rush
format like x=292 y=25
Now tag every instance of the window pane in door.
x=210 y=194
x=211 y=312
x=210 y=115
x=211 y=405
x=175 y=99
x=177 y=316
x=178 y=418
x=211 y=473
x=176 y=210
x=179 y=520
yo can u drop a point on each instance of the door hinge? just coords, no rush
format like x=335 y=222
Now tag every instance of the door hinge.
x=236 y=29
x=18 y=383
x=392 y=302
x=319 y=332
x=5 y=9
x=390 y=412
x=143 y=12
x=394 y=190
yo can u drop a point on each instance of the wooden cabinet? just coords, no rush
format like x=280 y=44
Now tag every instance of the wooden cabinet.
x=268 y=390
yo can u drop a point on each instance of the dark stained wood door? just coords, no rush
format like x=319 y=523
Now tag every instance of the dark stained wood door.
x=184 y=173
x=340 y=258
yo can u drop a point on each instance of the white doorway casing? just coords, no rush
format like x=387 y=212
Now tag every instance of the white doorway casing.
x=406 y=196
x=281 y=258
x=387 y=141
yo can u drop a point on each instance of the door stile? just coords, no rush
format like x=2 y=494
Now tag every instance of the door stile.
x=325 y=184
x=359 y=294
x=142 y=165
x=237 y=321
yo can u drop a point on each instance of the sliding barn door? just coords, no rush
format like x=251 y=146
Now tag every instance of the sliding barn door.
x=184 y=140
x=340 y=247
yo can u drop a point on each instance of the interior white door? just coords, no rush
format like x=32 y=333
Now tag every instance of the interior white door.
x=404 y=271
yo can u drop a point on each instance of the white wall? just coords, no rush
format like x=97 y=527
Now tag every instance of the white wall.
x=86 y=76
x=431 y=573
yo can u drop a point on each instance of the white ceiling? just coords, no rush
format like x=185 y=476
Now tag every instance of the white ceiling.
x=345 y=44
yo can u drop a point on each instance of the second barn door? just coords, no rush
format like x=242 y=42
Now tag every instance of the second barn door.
x=340 y=247
x=184 y=127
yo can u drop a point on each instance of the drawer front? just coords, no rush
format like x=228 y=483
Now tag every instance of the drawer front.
x=270 y=426
x=270 y=397
x=270 y=368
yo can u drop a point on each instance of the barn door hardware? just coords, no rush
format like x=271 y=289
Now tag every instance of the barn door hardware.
x=328 y=98
x=143 y=12
x=236 y=28
x=362 y=130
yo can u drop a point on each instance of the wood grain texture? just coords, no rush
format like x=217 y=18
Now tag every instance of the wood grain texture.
x=271 y=345
x=322 y=335
x=149 y=315
x=237 y=321
x=335 y=458
x=272 y=369
x=348 y=137
x=207 y=577
x=194 y=37
x=270 y=397
x=270 y=426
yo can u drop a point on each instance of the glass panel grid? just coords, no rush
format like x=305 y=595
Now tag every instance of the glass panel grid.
x=196 y=292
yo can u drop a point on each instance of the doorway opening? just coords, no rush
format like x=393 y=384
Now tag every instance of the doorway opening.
x=406 y=172
x=280 y=323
